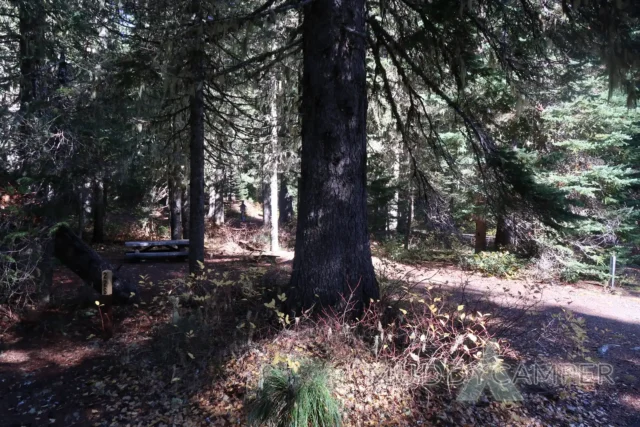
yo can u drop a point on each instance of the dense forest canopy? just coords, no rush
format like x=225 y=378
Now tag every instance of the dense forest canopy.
x=319 y=212
x=350 y=118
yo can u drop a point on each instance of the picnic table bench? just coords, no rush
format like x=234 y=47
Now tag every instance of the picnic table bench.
x=158 y=249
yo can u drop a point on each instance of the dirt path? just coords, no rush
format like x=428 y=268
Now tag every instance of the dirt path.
x=611 y=323
x=581 y=298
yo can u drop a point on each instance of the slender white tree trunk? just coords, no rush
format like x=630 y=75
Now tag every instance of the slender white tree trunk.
x=393 y=207
x=273 y=179
x=407 y=236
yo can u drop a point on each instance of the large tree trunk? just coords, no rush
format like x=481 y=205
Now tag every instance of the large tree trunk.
x=196 y=143
x=332 y=253
x=86 y=263
x=175 y=207
x=98 y=211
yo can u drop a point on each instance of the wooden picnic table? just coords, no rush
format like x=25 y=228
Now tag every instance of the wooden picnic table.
x=158 y=249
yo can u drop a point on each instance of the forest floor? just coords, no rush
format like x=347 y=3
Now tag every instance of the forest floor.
x=56 y=370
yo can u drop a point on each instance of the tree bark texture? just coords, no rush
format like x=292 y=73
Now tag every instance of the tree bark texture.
x=196 y=142
x=332 y=252
x=86 y=263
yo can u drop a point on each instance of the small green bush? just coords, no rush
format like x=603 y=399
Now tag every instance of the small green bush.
x=499 y=264
x=295 y=396
x=424 y=249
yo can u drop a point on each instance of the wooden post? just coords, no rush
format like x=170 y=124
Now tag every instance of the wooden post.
x=107 y=301
x=612 y=268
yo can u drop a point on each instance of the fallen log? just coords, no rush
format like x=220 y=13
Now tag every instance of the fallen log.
x=86 y=263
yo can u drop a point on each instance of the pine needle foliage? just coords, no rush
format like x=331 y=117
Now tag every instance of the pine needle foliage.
x=290 y=397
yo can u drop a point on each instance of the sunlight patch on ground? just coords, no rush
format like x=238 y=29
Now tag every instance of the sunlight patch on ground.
x=14 y=356
x=39 y=358
x=631 y=401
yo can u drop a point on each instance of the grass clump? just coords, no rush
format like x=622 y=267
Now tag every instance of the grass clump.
x=498 y=264
x=295 y=395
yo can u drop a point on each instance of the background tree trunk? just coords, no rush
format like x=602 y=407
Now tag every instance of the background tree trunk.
x=82 y=209
x=266 y=204
x=407 y=233
x=32 y=24
x=392 y=208
x=332 y=252
x=196 y=143
x=98 y=211
x=31 y=54
x=273 y=184
x=481 y=235
x=175 y=207
x=212 y=201
x=285 y=202
x=273 y=172
x=185 y=213
x=45 y=267
x=86 y=263
x=504 y=232
x=216 y=200
x=404 y=190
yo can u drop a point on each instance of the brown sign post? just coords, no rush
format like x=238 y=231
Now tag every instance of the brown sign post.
x=107 y=302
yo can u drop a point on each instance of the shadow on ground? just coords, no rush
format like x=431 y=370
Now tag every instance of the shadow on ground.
x=162 y=368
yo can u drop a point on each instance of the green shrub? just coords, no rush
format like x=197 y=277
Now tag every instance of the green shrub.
x=295 y=395
x=428 y=248
x=499 y=264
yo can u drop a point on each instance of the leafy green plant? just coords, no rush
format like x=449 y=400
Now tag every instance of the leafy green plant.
x=572 y=328
x=294 y=394
x=499 y=264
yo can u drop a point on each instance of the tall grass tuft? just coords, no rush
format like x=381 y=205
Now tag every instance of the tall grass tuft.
x=292 y=397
